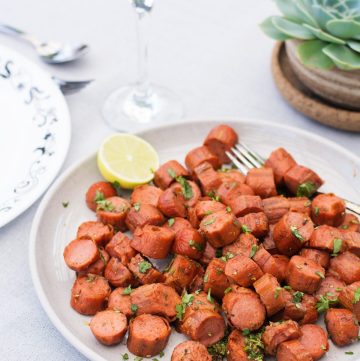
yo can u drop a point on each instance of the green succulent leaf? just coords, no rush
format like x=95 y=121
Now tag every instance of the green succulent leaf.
x=322 y=35
x=354 y=45
x=311 y=54
x=343 y=28
x=322 y=15
x=269 y=29
x=292 y=29
x=289 y=9
x=343 y=56
x=305 y=10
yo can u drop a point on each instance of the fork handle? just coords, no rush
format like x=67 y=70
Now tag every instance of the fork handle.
x=353 y=207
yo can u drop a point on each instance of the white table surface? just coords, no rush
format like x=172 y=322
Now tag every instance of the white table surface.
x=210 y=52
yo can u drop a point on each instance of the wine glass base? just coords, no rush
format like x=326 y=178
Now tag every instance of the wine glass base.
x=126 y=109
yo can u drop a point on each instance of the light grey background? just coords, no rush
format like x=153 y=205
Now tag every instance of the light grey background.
x=210 y=52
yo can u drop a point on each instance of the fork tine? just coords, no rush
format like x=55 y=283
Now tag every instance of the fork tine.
x=239 y=165
x=242 y=159
x=248 y=156
x=254 y=154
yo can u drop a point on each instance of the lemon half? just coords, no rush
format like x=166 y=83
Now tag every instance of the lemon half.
x=127 y=159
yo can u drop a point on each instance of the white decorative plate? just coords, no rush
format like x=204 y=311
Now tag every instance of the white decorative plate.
x=34 y=133
x=54 y=226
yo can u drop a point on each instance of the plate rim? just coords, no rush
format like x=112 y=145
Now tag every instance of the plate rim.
x=66 y=125
x=55 y=320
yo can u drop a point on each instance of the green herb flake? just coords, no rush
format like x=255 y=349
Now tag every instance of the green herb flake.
x=254 y=347
x=207 y=213
x=246 y=332
x=320 y=274
x=199 y=247
x=323 y=347
x=349 y=353
x=245 y=229
x=288 y=288
x=324 y=303
x=117 y=187
x=297 y=298
x=91 y=278
x=229 y=289
x=134 y=308
x=138 y=358
x=102 y=257
x=105 y=205
x=171 y=173
x=125 y=356
x=127 y=290
x=99 y=196
x=316 y=211
x=356 y=296
x=345 y=226
x=209 y=297
x=65 y=204
x=161 y=354
x=137 y=206
x=144 y=266
x=307 y=204
x=306 y=189
x=213 y=196
x=277 y=292
x=179 y=308
x=254 y=249
x=339 y=289
x=337 y=246
x=186 y=300
x=228 y=209
x=296 y=233
x=171 y=222
x=206 y=277
x=187 y=191
x=208 y=222
x=218 y=350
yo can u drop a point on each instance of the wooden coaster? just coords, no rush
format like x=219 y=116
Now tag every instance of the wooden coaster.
x=302 y=99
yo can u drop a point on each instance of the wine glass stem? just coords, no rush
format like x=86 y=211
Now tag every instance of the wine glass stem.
x=142 y=84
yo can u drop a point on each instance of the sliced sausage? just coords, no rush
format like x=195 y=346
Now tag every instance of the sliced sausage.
x=348 y=297
x=120 y=247
x=190 y=351
x=200 y=155
x=109 y=327
x=153 y=241
x=243 y=205
x=243 y=308
x=90 y=294
x=220 y=228
x=268 y=241
x=206 y=208
x=200 y=301
x=190 y=198
x=292 y=232
x=330 y=287
x=209 y=253
x=302 y=181
x=275 y=265
x=181 y=272
x=192 y=217
x=342 y=326
x=144 y=271
x=229 y=191
x=99 y=191
x=220 y=140
x=275 y=208
x=304 y=275
x=142 y=340
x=144 y=214
x=242 y=246
x=350 y=223
x=120 y=301
x=352 y=241
x=262 y=182
x=320 y=257
x=315 y=340
x=292 y=351
x=270 y=292
x=276 y=333
x=324 y=236
x=208 y=178
x=215 y=278
x=146 y=194
x=328 y=209
x=235 y=348
x=156 y=299
x=188 y=242
x=256 y=223
x=167 y=173
x=117 y=274
x=98 y=267
x=346 y=267
x=79 y=254
x=231 y=175
x=197 y=284
x=242 y=270
x=280 y=161
x=113 y=211
x=100 y=233
x=176 y=224
x=300 y=204
x=172 y=203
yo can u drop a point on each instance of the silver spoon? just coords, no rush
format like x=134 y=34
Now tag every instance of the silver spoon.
x=50 y=51
x=68 y=87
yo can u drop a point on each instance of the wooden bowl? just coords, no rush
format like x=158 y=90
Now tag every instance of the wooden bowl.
x=305 y=101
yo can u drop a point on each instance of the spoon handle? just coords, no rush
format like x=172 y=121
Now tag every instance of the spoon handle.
x=10 y=30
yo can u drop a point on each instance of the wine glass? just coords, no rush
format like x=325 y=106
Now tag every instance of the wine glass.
x=142 y=102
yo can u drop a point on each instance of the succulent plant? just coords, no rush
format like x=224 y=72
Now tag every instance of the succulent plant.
x=329 y=31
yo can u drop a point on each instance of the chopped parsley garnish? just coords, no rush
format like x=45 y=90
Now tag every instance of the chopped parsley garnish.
x=101 y=254
x=337 y=246
x=349 y=353
x=246 y=332
x=307 y=204
x=171 y=173
x=356 y=295
x=254 y=249
x=218 y=350
x=117 y=187
x=228 y=209
x=323 y=347
x=316 y=211
x=296 y=233
x=134 y=308
x=213 y=196
x=65 y=204
x=171 y=222
x=138 y=358
x=186 y=187
x=105 y=206
x=144 y=266
x=99 y=196
x=161 y=354
x=186 y=300
x=125 y=356
x=227 y=257
x=206 y=277
x=207 y=213
x=137 y=206
x=229 y=289
x=306 y=189
x=254 y=347
x=197 y=246
x=288 y=288
x=321 y=275
x=209 y=297
x=297 y=298
x=345 y=226
x=324 y=303
x=90 y=277
x=127 y=290
x=245 y=229
x=277 y=292
x=208 y=222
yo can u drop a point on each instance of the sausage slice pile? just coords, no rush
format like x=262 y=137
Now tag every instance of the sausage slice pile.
x=252 y=260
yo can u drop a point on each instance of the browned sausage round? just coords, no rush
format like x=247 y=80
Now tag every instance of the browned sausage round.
x=220 y=140
x=176 y=224
x=270 y=292
x=117 y=274
x=200 y=155
x=144 y=214
x=157 y=299
x=148 y=335
x=292 y=232
x=347 y=298
x=208 y=177
x=120 y=247
x=235 y=348
x=206 y=208
x=330 y=287
x=98 y=267
x=200 y=301
x=100 y=233
x=268 y=241
x=90 y=294
x=276 y=333
x=315 y=340
x=190 y=243
x=262 y=182
x=275 y=208
x=352 y=241
x=229 y=191
x=109 y=327
x=243 y=205
x=346 y=267
x=167 y=173
x=190 y=351
x=189 y=199
x=119 y=300
x=328 y=209
x=172 y=203
x=98 y=192
x=350 y=223
x=242 y=246
x=320 y=257
x=324 y=236
x=300 y=205
x=256 y=223
x=208 y=255
x=113 y=211
x=243 y=308
x=153 y=241
x=215 y=278
x=146 y=194
x=342 y=326
x=292 y=351
x=304 y=275
x=79 y=254
x=144 y=271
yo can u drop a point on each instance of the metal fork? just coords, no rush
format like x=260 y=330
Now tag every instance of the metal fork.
x=70 y=86
x=244 y=158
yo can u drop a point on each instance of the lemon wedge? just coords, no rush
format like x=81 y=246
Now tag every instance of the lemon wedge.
x=127 y=159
